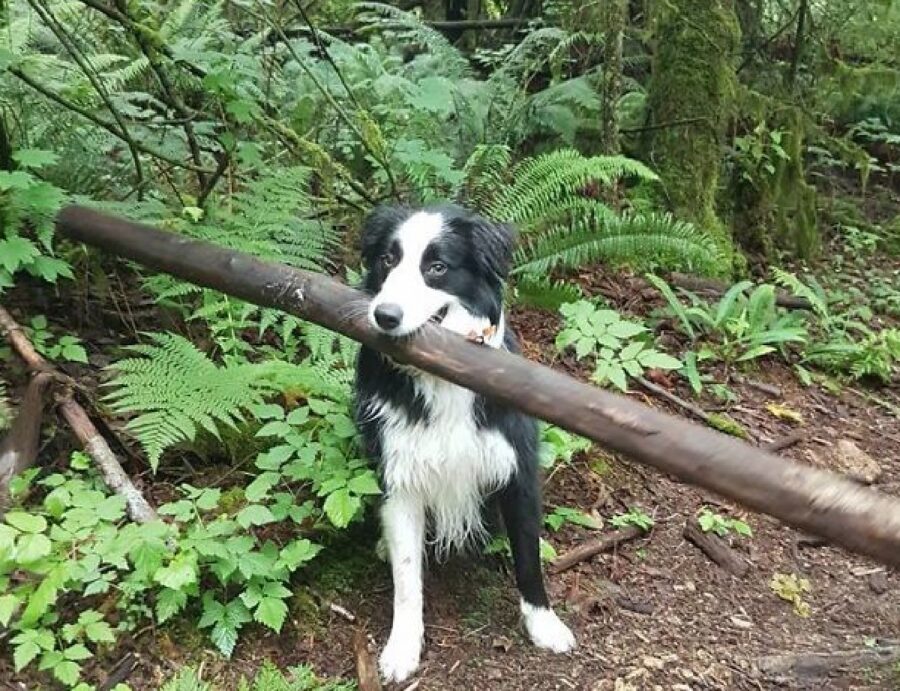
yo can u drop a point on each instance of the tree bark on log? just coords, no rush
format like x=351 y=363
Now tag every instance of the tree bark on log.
x=91 y=440
x=813 y=500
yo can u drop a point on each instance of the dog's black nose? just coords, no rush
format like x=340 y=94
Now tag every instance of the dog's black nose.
x=388 y=315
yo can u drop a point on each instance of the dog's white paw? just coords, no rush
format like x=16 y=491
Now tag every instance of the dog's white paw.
x=546 y=630
x=400 y=657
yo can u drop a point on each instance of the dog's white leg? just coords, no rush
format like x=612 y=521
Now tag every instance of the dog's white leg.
x=403 y=518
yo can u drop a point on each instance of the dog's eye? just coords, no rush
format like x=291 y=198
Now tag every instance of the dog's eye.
x=437 y=269
x=387 y=260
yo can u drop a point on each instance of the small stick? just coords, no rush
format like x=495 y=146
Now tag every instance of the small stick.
x=593 y=547
x=784 y=442
x=366 y=669
x=93 y=442
x=342 y=611
x=770 y=389
x=716 y=549
x=658 y=390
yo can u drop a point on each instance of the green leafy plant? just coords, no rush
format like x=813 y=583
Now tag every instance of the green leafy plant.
x=791 y=588
x=268 y=678
x=634 y=517
x=66 y=347
x=710 y=521
x=559 y=446
x=77 y=543
x=741 y=326
x=564 y=514
x=612 y=342
x=27 y=207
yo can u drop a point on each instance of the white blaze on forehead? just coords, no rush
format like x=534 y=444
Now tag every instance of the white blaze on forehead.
x=414 y=236
x=405 y=285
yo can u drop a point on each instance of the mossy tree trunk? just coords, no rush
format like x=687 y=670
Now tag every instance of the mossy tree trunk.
x=691 y=99
x=613 y=18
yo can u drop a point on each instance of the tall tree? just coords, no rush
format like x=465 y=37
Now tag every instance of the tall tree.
x=613 y=18
x=692 y=94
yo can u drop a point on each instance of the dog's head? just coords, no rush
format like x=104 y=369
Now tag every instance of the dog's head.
x=419 y=263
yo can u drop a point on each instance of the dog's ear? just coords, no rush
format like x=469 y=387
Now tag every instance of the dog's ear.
x=493 y=246
x=376 y=229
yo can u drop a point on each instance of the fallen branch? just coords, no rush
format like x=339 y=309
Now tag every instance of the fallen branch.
x=592 y=548
x=91 y=440
x=716 y=549
x=811 y=665
x=810 y=499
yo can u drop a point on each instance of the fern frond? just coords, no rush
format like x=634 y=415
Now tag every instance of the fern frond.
x=547 y=181
x=483 y=174
x=176 y=390
x=643 y=241
x=545 y=293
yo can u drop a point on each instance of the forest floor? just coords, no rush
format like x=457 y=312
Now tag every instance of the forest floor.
x=656 y=613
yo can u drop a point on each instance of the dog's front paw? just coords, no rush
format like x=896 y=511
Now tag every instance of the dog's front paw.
x=400 y=656
x=546 y=630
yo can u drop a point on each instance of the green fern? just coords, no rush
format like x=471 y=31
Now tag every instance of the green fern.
x=268 y=678
x=643 y=241
x=177 y=391
x=545 y=185
x=483 y=174
x=545 y=293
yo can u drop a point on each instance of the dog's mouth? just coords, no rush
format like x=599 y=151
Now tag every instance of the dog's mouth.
x=438 y=316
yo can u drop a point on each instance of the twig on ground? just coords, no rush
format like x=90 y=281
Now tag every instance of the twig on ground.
x=591 y=548
x=366 y=669
x=716 y=549
x=658 y=390
x=784 y=442
x=93 y=442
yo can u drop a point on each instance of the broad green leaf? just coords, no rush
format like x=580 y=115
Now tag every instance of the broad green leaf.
x=67 y=672
x=655 y=359
x=8 y=605
x=168 y=603
x=341 y=507
x=24 y=653
x=26 y=522
x=254 y=514
x=77 y=652
x=364 y=484
x=181 y=571
x=298 y=552
x=32 y=547
x=272 y=612
x=260 y=487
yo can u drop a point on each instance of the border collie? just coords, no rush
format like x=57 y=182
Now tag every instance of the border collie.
x=444 y=453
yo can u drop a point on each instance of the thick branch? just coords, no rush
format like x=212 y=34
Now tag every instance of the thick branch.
x=91 y=440
x=816 y=501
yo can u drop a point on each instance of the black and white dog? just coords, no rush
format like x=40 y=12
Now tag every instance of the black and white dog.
x=445 y=453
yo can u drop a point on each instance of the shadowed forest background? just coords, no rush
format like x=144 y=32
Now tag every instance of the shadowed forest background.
x=707 y=196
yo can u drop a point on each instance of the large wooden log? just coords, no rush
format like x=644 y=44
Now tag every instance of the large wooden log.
x=816 y=501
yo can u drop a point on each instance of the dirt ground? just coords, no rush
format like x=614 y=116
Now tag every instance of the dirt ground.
x=655 y=614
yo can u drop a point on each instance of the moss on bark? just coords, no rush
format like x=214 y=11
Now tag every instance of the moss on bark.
x=693 y=83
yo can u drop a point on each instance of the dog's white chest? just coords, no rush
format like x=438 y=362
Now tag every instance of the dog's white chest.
x=445 y=461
